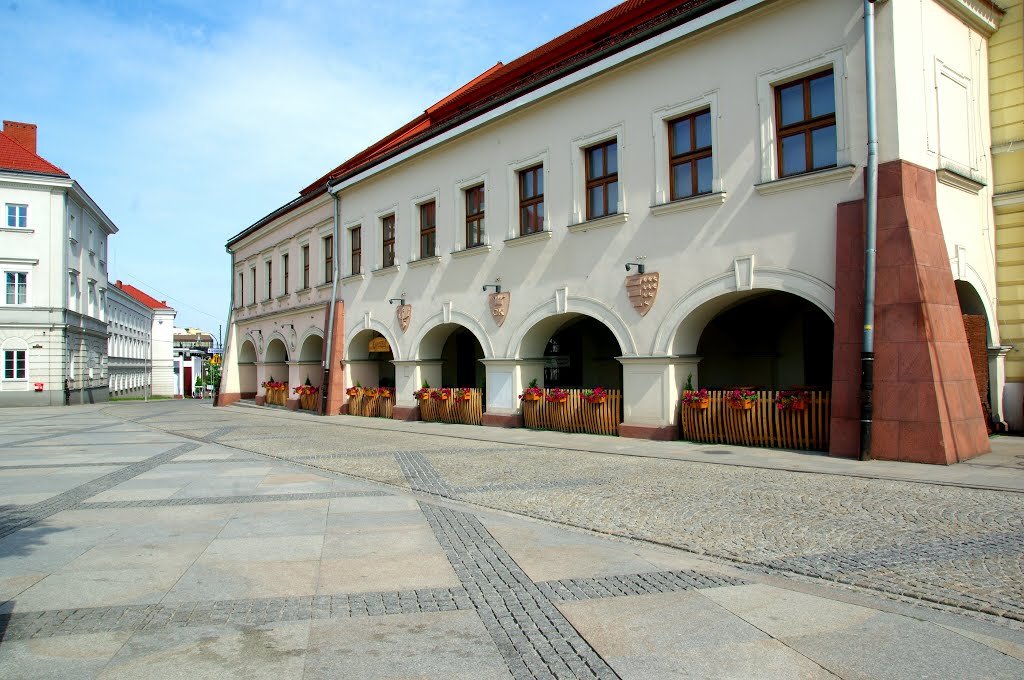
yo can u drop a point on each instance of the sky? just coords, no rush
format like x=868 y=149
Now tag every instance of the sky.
x=188 y=120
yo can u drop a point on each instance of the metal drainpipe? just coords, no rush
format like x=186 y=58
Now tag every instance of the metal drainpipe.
x=328 y=360
x=231 y=312
x=867 y=354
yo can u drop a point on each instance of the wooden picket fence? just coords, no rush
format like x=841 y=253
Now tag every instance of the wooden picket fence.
x=278 y=397
x=763 y=424
x=453 y=410
x=576 y=414
x=374 y=406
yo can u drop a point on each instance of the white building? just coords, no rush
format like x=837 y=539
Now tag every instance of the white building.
x=53 y=252
x=192 y=347
x=721 y=145
x=140 y=357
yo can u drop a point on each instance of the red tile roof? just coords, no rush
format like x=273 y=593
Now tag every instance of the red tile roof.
x=147 y=300
x=14 y=156
x=615 y=30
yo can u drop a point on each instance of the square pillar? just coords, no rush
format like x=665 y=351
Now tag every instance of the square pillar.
x=997 y=383
x=261 y=377
x=506 y=380
x=294 y=380
x=409 y=377
x=651 y=387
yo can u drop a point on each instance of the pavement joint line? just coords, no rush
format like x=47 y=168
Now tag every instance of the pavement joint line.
x=568 y=447
x=52 y=435
x=492 y=578
x=227 y=500
x=13 y=520
x=43 y=466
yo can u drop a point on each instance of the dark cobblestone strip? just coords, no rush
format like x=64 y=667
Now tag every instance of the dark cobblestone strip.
x=57 y=622
x=228 y=500
x=530 y=486
x=353 y=454
x=13 y=520
x=54 y=434
x=66 y=465
x=646 y=583
x=421 y=474
x=533 y=637
x=219 y=432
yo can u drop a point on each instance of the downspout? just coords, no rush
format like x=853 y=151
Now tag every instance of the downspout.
x=328 y=359
x=231 y=311
x=867 y=354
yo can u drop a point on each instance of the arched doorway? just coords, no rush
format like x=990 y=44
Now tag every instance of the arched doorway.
x=578 y=351
x=770 y=340
x=311 y=360
x=458 y=352
x=369 y=358
x=979 y=339
x=247 y=381
x=275 y=362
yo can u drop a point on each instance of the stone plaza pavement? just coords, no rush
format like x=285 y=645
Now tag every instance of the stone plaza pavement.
x=171 y=539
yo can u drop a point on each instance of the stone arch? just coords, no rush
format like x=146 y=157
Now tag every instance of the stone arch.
x=359 y=330
x=971 y=289
x=247 y=352
x=526 y=341
x=312 y=347
x=681 y=328
x=273 y=355
x=435 y=331
x=14 y=343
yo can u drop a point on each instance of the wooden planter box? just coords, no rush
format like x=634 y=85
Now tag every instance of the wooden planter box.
x=575 y=414
x=308 y=402
x=468 y=410
x=763 y=424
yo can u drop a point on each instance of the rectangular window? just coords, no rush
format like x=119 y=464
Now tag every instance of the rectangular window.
x=252 y=275
x=14 y=364
x=241 y=288
x=356 y=239
x=602 y=179
x=805 y=115
x=428 y=229
x=16 y=292
x=17 y=216
x=284 y=273
x=531 y=200
x=305 y=267
x=387 y=228
x=475 y=208
x=328 y=259
x=689 y=144
x=269 y=266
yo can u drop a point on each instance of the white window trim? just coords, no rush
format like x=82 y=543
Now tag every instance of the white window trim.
x=15 y=227
x=3 y=364
x=346 y=231
x=974 y=172
x=321 y=260
x=578 y=166
x=378 y=238
x=514 y=169
x=264 y=259
x=414 y=236
x=459 y=241
x=766 y=83
x=660 y=119
x=28 y=287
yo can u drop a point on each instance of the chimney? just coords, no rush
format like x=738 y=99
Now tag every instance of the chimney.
x=118 y=284
x=22 y=133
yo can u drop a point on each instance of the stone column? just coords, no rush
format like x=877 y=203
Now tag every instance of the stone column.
x=651 y=387
x=997 y=382
x=333 y=389
x=261 y=377
x=294 y=380
x=409 y=377
x=506 y=380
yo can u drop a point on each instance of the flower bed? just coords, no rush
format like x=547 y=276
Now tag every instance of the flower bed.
x=596 y=410
x=787 y=419
x=309 y=397
x=276 y=392
x=447 y=405
x=372 y=402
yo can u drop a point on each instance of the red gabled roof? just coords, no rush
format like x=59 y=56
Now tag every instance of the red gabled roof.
x=147 y=300
x=14 y=156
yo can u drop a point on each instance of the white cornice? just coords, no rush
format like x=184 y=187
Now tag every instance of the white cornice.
x=981 y=16
x=277 y=223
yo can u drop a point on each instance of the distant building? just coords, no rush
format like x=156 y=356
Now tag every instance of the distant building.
x=53 y=262
x=191 y=348
x=140 y=354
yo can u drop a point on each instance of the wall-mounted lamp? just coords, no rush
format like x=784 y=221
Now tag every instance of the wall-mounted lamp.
x=288 y=325
x=639 y=267
x=495 y=286
x=400 y=301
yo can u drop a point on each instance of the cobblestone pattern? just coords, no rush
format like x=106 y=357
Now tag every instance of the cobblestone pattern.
x=421 y=474
x=57 y=622
x=220 y=432
x=229 y=500
x=52 y=434
x=633 y=584
x=13 y=520
x=66 y=465
x=533 y=637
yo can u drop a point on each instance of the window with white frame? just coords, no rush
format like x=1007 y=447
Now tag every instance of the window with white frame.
x=426 y=214
x=73 y=292
x=686 y=154
x=15 y=364
x=476 y=204
x=387 y=233
x=92 y=299
x=597 y=178
x=16 y=288
x=17 y=216
x=531 y=200
x=355 y=240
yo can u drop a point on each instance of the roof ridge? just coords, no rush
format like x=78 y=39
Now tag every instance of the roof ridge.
x=24 y=148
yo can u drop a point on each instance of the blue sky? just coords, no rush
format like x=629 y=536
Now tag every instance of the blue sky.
x=188 y=120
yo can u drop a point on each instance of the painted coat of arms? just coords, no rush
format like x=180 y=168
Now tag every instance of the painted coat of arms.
x=642 y=289
x=404 y=314
x=499 y=303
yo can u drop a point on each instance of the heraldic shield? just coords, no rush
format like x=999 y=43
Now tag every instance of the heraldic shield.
x=499 y=303
x=404 y=314
x=642 y=289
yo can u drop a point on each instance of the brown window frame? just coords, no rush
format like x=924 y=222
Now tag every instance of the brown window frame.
x=284 y=272
x=475 y=225
x=805 y=126
x=241 y=289
x=355 y=235
x=252 y=272
x=536 y=201
x=387 y=244
x=270 y=279
x=305 y=267
x=690 y=157
x=602 y=180
x=328 y=243
x=428 y=229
